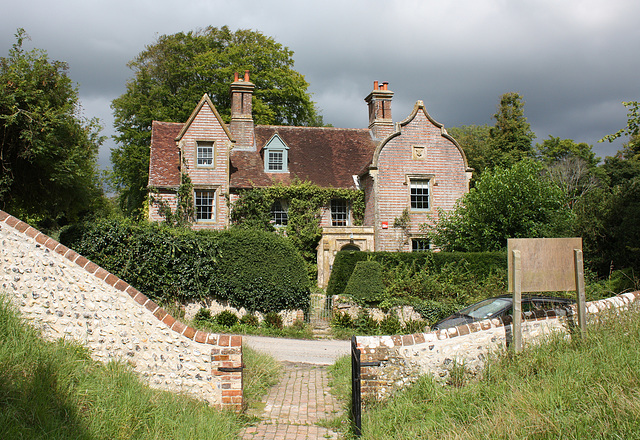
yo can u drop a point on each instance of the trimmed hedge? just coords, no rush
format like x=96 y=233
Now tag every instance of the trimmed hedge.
x=481 y=264
x=252 y=269
x=365 y=284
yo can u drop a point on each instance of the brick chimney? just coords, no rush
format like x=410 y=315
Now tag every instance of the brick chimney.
x=241 y=125
x=379 y=102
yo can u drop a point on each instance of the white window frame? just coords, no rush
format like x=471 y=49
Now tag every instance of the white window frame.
x=212 y=196
x=204 y=160
x=339 y=214
x=415 y=247
x=280 y=217
x=276 y=145
x=417 y=185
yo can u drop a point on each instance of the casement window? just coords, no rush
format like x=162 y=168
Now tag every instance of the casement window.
x=419 y=194
x=204 y=153
x=205 y=205
x=419 y=244
x=276 y=156
x=279 y=215
x=339 y=212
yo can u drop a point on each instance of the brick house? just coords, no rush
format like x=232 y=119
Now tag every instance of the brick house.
x=411 y=167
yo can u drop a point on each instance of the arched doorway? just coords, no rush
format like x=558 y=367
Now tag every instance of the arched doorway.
x=350 y=247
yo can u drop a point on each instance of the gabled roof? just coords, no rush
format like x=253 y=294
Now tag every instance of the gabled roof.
x=326 y=156
x=204 y=100
x=164 y=161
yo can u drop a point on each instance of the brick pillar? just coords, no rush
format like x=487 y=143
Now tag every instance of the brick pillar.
x=226 y=365
x=241 y=125
x=379 y=102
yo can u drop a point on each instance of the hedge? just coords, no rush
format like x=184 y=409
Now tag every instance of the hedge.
x=479 y=263
x=365 y=284
x=252 y=269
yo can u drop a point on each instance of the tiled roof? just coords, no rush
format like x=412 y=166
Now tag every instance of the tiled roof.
x=326 y=156
x=164 y=162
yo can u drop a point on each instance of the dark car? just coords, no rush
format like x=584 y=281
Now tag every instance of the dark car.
x=501 y=306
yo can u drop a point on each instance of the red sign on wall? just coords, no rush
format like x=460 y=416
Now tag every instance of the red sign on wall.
x=385 y=225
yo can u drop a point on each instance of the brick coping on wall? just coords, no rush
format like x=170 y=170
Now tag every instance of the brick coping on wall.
x=112 y=280
x=474 y=327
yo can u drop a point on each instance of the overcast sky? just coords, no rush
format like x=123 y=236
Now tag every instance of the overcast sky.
x=573 y=61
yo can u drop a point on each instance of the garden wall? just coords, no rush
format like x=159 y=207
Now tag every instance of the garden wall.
x=405 y=358
x=67 y=296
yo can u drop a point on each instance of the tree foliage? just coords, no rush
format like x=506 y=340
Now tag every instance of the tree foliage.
x=47 y=151
x=474 y=140
x=511 y=137
x=171 y=76
x=506 y=203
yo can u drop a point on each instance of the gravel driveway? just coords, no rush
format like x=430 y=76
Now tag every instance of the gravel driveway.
x=300 y=351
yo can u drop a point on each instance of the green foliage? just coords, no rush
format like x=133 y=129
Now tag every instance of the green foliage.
x=390 y=325
x=53 y=390
x=226 y=318
x=633 y=123
x=252 y=210
x=510 y=139
x=203 y=316
x=480 y=264
x=341 y=320
x=506 y=203
x=172 y=74
x=251 y=269
x=48 y=152
x=365 y=284
x=555 y=149
x=250 y=319
x=475 y=142
x=273 y=320
x=184 y=215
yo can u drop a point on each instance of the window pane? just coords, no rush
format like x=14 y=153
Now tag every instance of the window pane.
x=205 y=153
x=204 y=202
x=420 y=194
x=419 y=244
x=339 y=213
x=276 y=161
x=279 y=214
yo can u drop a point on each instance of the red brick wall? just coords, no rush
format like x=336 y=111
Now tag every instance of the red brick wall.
x=442 y=159
x=206 y=127
x=167 y=197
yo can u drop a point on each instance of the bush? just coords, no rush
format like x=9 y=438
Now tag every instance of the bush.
x=365 y=284
x=252 y=269
x=250 y=319
x=273 y=320
x=342 y=320
x=390 y=325
x=226 y=318
x=203 y=316
x=480 y=264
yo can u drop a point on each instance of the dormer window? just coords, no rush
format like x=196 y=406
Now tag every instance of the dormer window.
x=276 y=156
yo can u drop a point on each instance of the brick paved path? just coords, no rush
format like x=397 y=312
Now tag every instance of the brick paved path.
x=295 y=405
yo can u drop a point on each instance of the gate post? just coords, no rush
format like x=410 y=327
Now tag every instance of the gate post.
x=356 y=397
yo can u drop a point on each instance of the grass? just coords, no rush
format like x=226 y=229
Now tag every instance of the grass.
x=53 y=390
x=560 y=389
x=262 y=372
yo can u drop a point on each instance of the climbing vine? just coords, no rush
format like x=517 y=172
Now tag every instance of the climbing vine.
x=184 y=215
x=252 y=210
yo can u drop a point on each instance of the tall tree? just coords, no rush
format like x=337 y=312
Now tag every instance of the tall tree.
x=511 y=138
x=47 y=152
x=171 y=76
x=474 y=140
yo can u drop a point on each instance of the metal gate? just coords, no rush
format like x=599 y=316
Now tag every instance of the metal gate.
x=356 y=402
x=321 y=309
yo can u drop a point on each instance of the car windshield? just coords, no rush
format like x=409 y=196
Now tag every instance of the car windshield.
x=486 y=309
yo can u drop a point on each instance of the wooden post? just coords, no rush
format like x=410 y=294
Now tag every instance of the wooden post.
x=517 y=302
x=580 y=291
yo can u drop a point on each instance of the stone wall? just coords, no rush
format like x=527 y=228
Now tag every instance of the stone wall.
x=404 y=358
x=67 y=296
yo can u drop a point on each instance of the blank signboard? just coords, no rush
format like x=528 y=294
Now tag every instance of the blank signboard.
x=547 y=263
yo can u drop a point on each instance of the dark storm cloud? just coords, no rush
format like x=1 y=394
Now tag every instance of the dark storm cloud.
x=573 y=61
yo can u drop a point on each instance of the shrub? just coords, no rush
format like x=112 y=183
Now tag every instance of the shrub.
x=365 y=284
x=342 y=320
x=203 y=316
x=390 y=325
x=273 y=320
x=250 y=319
x=252 y=269
x=365 y=323
x=226 y=318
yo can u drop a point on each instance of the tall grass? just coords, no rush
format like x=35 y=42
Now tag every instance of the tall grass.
x=561 y=389
x=262 y=372
x=53 y=390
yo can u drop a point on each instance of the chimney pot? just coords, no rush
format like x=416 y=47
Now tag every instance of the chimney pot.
x=375 y=85
x=385 y=85
x=246 y=75
x=235 y=77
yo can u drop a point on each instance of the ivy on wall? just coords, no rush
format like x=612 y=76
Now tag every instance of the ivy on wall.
x=305 y=201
